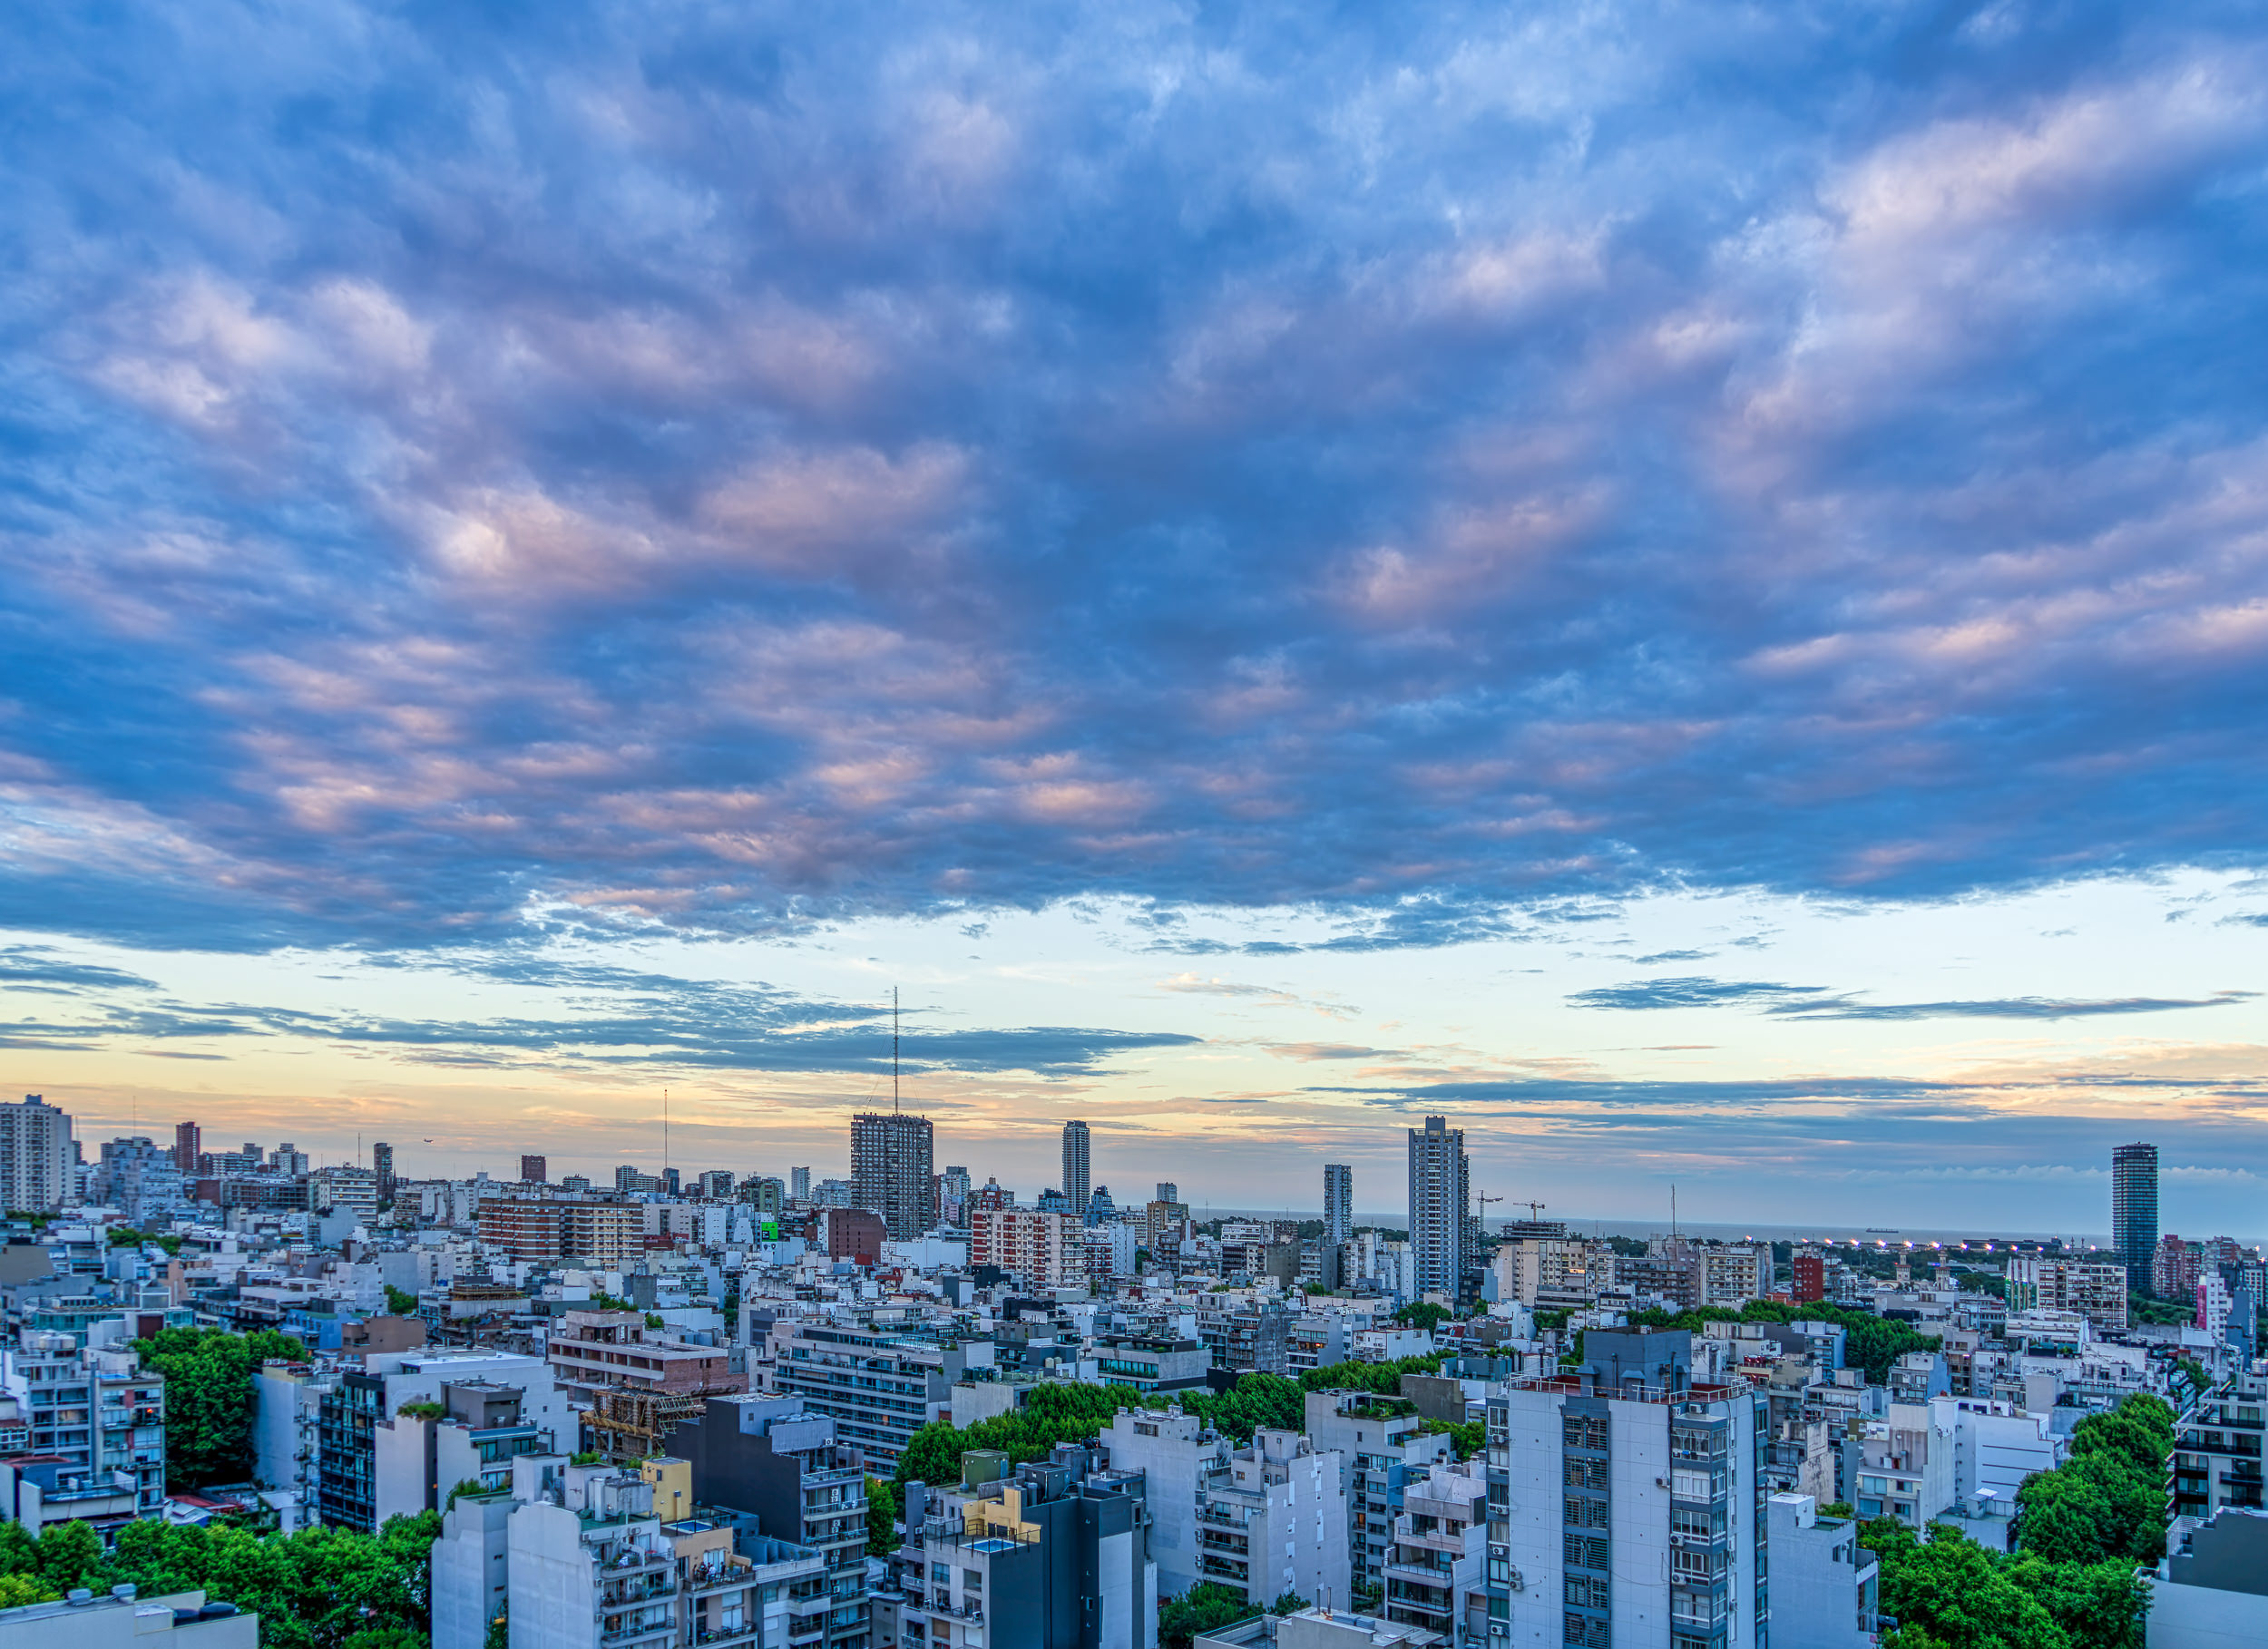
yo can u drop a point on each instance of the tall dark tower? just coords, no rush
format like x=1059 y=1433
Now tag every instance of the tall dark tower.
x=1077 y=1176
x=2133 y=1210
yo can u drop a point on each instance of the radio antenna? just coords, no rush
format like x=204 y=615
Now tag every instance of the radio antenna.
x=894 y=1051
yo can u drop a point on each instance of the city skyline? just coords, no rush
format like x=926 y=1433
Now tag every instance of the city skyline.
x=1277 y=582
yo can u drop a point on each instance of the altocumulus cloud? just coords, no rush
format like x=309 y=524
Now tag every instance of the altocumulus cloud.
x=610 y=1017
x=1818 y=1002
x=617 y=465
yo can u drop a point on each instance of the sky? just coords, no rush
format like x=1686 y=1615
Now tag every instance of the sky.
x=1684 y=585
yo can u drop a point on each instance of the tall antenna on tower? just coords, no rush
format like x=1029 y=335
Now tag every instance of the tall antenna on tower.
x=665 y=1133
x=894 y=1051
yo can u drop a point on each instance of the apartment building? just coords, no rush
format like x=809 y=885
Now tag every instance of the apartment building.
x=1441 y=1226
x=1902 y=1465
x=1436 y=1567
x=2217 y=1449
x=1173 y=1452
x=1825 y=1585
x=1148 y=1363
x=2038 y=1282
x=891 y=1173
x=1382 y=1448
x=878 y=1388
x=94 y=1432
x=1625 y=1504
x=34 y=1156
x=1047 y=1250
x=1055 y=1556
x=575 y=1557
x=776 y=1460
x=604 y=1233
x=1272 y=1520
x=594 y=1352
x=375 y=1460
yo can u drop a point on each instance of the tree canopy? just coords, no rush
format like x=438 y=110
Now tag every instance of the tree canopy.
x=322 y=1589
x=209 y=1401
x=2083 y=1532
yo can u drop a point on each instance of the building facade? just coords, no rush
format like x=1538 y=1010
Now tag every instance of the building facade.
x=1078 y=1167
x=1046 y=1248
x=1625 y=1502
x=2133 y=1210
x=890 y=1171
x=34 y=1156
x=1441 y=1204
x=1338 y=1202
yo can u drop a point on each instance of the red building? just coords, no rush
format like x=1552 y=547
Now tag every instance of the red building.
x=1811 y=1278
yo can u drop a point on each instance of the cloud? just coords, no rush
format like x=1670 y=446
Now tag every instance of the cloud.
x=1818 y=1002
x=1443 y=474
x=614 y=1017
x=1695 y=993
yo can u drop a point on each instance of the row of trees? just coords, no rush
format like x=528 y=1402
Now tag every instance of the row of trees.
x=1870 y=1342
x=1208 y=1606
x=322 y=1589
x=2084 y=1532
x=1074 y=1414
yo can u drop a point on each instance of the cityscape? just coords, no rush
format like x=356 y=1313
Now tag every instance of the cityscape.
x=906 y=1406
x=1134 y=825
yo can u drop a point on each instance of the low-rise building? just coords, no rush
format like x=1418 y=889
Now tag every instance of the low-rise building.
x=1273 y=1520
x=1055 y=1556
x=777 y=1460
x=2217 y=1456
x=122 y=1619
x=1436 y=1567
x=1824 y=1584
x=94 y=1419
x=2211 y=1588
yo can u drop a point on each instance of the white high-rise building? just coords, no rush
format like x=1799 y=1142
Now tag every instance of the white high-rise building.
x=34 y=1156
x=1440 y=1203
x=1338 y=1202
x=1624 y=1505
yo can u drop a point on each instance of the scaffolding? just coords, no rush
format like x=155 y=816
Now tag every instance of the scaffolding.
x=632 y=1425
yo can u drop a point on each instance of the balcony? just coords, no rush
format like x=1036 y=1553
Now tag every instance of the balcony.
x=615 y=1596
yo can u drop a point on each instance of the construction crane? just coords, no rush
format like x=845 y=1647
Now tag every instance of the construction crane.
x=1535 y=1210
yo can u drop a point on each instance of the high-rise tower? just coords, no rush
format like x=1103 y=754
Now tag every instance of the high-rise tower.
x=1440 y=1200
x=1338 y=1202
x=1076 y=1177
x=2133 y=1210
x=890 y=1170
x=34 y=1156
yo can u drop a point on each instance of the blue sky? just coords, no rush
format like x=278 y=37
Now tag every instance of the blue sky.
x=1688 y=584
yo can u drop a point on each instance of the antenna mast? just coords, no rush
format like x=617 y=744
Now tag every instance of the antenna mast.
x=894 y=1051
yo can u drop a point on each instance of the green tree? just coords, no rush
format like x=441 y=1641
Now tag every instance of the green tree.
x=1468 y=1437
x=1205 y=1607
x=19 y=1552
x=885 y=1503
x=2099 y=1606
x=17 y=1590
x=1423 y=1314
x=1289 y=1603
x=319 y=1589
x=399 y=1303
x=209 y=1399
x=70 y=1555
x=1954 y=1592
